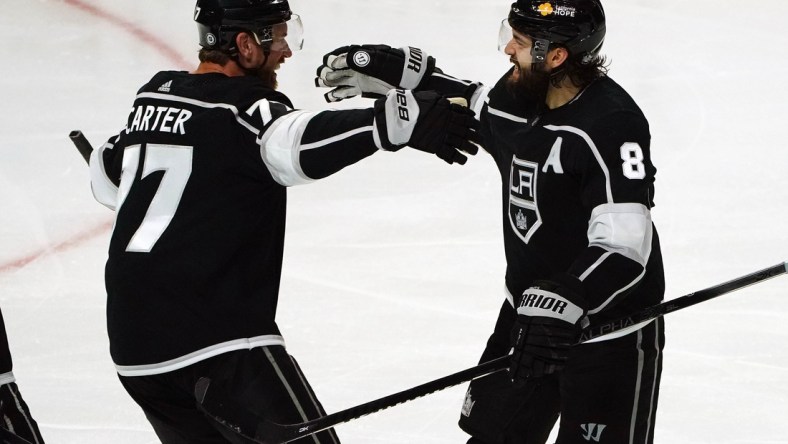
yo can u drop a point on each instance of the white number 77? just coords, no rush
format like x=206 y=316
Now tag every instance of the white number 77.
x=176 y=162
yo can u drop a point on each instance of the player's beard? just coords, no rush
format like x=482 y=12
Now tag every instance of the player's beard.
x=265 y=73
x=529 y=83
x=269 y=78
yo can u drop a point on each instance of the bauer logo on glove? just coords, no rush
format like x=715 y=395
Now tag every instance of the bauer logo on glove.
x=427 y=122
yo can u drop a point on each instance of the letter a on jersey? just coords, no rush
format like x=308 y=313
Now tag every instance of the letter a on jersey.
x=554 y=159
x=524 y=215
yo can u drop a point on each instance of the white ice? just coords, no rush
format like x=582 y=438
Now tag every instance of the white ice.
x=393 y=271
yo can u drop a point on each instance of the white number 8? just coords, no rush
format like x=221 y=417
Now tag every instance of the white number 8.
x=632 y=155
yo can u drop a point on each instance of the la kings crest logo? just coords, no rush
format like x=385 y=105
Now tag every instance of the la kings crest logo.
x=524 y=215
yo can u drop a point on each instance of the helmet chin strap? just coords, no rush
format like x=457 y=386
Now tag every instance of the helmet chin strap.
x=253 y=71
x=266 y=54
x=266 y=45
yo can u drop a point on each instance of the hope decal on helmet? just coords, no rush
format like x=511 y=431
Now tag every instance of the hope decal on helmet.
x=547 y=9
x=578 y=25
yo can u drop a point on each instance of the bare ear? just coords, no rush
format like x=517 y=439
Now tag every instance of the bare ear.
x=557 y=56
x=245 y=44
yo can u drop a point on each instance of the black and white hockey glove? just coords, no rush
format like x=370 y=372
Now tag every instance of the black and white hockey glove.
x=372 y=70
x=426 y=121
x=549 y=319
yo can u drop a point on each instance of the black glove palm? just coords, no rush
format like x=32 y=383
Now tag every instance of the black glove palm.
x=548 y=325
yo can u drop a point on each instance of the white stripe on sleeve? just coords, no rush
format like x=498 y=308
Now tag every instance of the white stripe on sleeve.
x=623 y=228
x=104 y=191
x=280 y=148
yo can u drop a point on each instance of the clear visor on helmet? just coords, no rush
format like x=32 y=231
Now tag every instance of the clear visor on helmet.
x=505 y=35
x=282 y=37
x=539 y=46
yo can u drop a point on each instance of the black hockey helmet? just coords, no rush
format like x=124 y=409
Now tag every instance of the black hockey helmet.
x=219 y=21
x=578 y=25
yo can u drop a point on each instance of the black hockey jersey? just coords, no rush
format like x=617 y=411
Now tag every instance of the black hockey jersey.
x=578 y=188
x=198 y=180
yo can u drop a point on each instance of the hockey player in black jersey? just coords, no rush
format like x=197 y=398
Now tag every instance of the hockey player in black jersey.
x=198 y=181
x=15 y=416
x=573 y=150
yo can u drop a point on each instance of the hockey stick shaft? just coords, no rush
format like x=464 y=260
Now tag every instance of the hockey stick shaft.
x=218 y=406
x=267 y=432
x=276 y=434
x=81 y=142
x=503 y=362
x=689 y=300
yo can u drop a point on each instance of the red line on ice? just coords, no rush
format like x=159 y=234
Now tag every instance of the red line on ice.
x=146 y=38
x=139 y=33
x=66 y=245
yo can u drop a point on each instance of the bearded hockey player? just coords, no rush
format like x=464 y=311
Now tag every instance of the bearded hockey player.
x=198 y=180
x=574 y=153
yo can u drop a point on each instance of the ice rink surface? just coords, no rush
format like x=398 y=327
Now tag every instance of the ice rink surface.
x=393 y=270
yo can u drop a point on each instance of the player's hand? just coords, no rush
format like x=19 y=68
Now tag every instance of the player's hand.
x=372 y=70
x=428 y=122
x=549 y=319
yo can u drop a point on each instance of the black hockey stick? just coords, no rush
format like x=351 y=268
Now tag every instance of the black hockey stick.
x=689 y=300
x=82 y=144
x=217 y=405
x=9 y=437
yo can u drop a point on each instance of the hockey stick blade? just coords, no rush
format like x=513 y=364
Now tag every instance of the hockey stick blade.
x=244 y=422
x=82 y=144
x=217 y=404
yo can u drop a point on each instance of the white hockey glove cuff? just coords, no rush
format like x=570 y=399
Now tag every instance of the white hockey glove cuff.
x=395 y=119
x=546 y=303
x=427 y=122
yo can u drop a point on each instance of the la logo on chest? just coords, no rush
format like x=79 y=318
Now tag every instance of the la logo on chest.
x=524 y=214
x=523 y=184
